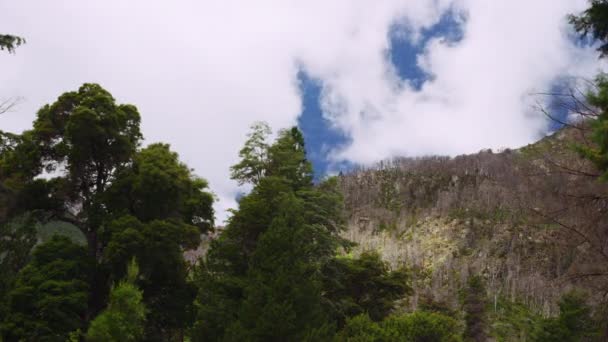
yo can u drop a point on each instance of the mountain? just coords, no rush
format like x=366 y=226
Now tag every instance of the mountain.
x=531 y=221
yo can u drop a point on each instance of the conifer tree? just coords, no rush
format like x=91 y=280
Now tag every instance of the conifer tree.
x=123 y=320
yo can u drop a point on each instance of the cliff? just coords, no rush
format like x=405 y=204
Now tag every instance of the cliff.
x=531 y=221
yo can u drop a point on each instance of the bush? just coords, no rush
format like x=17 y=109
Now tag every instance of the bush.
x=419 y=326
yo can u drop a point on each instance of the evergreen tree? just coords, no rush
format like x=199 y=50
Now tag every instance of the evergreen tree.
x=167 y=292
x=49 y=299
x=573 y=324
x=594 y=22
x=262 y=278
x=363 y=285
x=124 y=318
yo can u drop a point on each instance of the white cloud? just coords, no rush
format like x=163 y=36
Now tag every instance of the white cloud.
x=202 y=71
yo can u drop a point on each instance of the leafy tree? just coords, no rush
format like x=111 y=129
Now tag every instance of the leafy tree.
x=159 y=210
x=124 y=318
x=159 y=246
x=282 y=296
x=475 y=310
x=363 y=285
x=158 y=186
x=287 y=159
x=49 y=299
x=360 y=328
x=573 y=324
x=92 y=137
x=261 y=279
x=594 y=21
x=10 y=43
x=254 y=156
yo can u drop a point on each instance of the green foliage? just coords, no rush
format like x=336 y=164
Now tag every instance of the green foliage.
x=124 y=318
x=17 y=238
x=598 y=153
x=254 y=156
x=287 y=159
x=134 y=203
x=159 y=246
x=9 y=42
x=361 y=329
x=158 y=186
x=50 y=295
x=512 y=321
x=283 y=293
x=419 y=326
x=364 y=285
x=262 y=277
x=594 y=21
x=573 y=324
x=92 y=137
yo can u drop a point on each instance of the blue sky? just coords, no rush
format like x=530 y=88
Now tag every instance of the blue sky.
x=217 y=70
x=320 y=136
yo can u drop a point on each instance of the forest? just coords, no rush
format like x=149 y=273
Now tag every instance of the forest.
x=94 y=227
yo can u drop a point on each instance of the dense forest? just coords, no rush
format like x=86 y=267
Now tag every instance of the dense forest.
x=95 y=229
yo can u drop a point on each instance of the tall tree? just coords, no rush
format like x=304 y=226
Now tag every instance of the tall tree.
x=49 y=299
x=92 y=137
x=262 y=279
x=157 y=186
x=133 y=202
x=254 y=156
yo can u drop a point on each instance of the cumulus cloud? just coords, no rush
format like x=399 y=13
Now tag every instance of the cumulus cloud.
x=202 y=71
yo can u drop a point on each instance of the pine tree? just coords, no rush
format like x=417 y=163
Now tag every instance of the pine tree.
x=124 y=318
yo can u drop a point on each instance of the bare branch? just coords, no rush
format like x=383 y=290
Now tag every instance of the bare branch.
x=7 y=105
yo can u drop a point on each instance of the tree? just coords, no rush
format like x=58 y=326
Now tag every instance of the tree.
x=135 y=202
x=17 y=238
x=574 y=322
x=475 y=310
x=157 y=209
x=254 y=156
x=283 y=298
x=159 y=245
x=363 y=285
x=94 y=137
x=594 y=21
x=360 y=328
x=418 y=326
x=261 y=279
x=158 y=186
x=49 y=299
x=9 y=42
x=123 y=320
x=597 y=151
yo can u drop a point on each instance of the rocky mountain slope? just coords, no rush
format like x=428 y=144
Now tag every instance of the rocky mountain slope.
x=533 y=222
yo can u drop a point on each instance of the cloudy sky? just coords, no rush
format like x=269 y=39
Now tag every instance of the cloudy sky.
x=365 y=79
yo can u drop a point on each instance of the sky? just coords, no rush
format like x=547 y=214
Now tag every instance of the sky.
x=365 y=80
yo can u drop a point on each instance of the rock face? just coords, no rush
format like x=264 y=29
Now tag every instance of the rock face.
x=532 y=222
